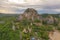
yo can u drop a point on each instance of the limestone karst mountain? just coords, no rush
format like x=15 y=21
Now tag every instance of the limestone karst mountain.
x=51 y=20
x=29 y=13
x=32 y=14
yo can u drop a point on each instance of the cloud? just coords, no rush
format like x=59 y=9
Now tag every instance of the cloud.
x=42 y=5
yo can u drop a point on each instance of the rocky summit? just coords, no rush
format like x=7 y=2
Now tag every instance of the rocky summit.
x=29 y=13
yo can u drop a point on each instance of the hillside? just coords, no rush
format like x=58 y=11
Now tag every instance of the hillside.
x=30 y=25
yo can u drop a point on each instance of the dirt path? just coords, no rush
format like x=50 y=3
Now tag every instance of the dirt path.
x=55 y=35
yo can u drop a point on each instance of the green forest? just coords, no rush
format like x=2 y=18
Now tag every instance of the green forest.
x=11 y=29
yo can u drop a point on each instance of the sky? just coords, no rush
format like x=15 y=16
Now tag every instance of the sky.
x=18 y=6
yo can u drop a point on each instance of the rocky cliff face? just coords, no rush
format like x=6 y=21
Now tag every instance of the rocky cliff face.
x=51 y=20
x=32 y=14
x=29 y=13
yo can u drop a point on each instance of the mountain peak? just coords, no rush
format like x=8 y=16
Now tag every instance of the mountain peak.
x=29 y=13
x=30 y=10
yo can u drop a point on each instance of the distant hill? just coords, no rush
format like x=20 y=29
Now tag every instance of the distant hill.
x=2 y=14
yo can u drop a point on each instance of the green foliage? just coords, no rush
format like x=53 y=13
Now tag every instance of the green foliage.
x=7 y=33
x=37 y=21
x=58 y=28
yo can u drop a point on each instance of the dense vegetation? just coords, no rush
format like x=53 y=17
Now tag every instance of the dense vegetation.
x=25 y=29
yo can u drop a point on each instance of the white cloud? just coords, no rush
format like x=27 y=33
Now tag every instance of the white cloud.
x=52 y=2
x=14 y=6
x=58 y=10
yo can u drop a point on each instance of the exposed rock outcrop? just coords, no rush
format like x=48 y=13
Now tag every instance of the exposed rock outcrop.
x=51 y=20
x=29 y=13
x=32 y=14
